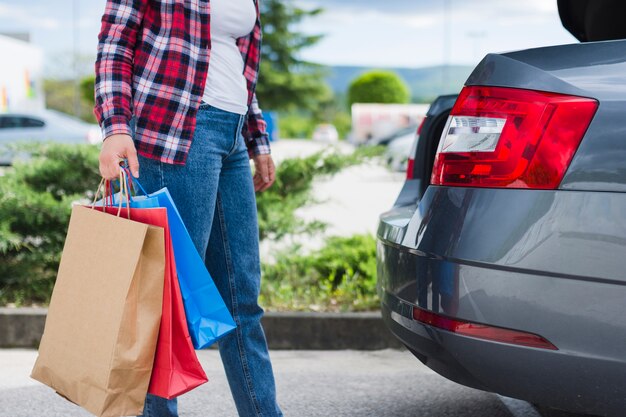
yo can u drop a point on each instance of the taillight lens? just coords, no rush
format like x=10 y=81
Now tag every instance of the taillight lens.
x=506 y=137
x=410 y=166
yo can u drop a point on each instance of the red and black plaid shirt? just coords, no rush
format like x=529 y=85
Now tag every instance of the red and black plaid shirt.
x=153 y=60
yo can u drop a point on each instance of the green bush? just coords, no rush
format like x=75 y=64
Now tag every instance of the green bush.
x=293 y=187
x=343 y=122
x=295 y=126
x=36 y=197
x=339 y=277
x=378 y=87
x=61 y=95
x=35 y=204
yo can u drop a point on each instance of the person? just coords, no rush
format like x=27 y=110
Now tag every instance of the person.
x=175 y=97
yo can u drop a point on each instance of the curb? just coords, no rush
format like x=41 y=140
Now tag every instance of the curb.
x=23 y=327
x=328 y=331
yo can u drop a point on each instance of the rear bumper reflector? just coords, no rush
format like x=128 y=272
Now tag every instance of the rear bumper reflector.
x=481 y=331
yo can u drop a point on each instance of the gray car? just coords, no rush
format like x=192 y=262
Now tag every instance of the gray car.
x=502 y=265
x=43 y=126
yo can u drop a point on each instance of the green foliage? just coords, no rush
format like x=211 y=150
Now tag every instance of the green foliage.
x=295 y=126
x=292 y=190
x=87 y=89
x=286 y=82
x=35 y=204
x=298 y=125
x=378 y=87
x=60 y=96
x=343 y=123
x=341 y=276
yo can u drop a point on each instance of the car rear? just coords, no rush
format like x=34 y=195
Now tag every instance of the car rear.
x=504 y=269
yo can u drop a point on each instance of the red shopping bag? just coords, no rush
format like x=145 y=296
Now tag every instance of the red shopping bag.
x=176 y=366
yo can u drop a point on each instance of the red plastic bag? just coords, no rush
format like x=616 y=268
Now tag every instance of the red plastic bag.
x=176 y=366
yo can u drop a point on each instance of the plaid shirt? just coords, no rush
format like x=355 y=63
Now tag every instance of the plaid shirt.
x=153 y=60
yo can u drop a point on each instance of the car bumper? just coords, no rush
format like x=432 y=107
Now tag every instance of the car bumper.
x=539 y=262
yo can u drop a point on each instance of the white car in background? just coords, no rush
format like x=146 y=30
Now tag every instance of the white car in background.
x=325 y=133
x=398 y=150
x=43 y=126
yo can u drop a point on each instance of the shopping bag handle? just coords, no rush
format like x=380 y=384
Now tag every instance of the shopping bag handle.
x=124 y=192
x=132 y=181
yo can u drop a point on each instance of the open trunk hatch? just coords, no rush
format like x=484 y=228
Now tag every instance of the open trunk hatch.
x=594 y=20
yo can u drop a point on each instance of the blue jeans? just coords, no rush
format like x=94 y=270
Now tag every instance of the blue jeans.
x=215 y=196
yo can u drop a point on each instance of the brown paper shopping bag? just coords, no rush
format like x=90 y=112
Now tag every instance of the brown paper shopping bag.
x=100 y=336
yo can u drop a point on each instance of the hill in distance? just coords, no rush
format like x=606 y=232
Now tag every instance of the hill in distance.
x=425 y=83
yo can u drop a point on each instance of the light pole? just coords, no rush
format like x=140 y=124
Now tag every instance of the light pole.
x=446 y=43
x=76 y=25
x=476 y=37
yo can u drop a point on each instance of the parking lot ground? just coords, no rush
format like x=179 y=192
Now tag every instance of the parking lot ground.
x=387 y=383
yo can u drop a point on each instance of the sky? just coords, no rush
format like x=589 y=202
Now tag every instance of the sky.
x=390 y=33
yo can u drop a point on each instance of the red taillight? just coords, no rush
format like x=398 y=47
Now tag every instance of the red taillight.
x=411 y=162
x=419 y=129
x=506 y=137
x=410 y=167
x=481 y=331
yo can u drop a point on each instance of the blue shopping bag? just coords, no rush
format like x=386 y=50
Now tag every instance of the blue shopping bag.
x=208 y=317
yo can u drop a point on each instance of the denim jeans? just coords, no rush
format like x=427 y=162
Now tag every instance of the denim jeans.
x=214 y=194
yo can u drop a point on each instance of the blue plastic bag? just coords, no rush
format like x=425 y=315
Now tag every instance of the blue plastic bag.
x=208 y=317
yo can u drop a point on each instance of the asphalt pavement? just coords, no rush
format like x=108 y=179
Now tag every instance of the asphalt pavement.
x=386 y=383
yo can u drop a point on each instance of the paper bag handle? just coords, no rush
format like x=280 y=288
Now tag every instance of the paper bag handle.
x=105 y=185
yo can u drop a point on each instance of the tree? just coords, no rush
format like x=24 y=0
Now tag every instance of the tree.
x=378 y=87
x=286 y=82
x=60 y=96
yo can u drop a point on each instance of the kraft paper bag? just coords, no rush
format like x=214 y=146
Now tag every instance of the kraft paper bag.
x=177 y=369
x=100 y=336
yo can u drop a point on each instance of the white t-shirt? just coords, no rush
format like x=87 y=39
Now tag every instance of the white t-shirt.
x=226 y=87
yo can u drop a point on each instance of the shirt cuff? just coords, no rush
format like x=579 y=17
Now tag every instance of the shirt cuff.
x=260 y=146
x=115 y=125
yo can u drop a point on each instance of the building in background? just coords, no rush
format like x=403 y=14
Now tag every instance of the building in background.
x=21 y=74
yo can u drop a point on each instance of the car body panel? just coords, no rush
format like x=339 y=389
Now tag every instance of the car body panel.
x=474 y=255
x=414 y=187
x=545 y=262
x=555 y=378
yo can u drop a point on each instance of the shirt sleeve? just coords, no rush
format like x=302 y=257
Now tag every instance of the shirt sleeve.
x=114 y=64
x=255 y=131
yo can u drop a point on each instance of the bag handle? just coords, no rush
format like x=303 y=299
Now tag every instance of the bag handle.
x=130 y=185
x=105 y=185
x=133 y=181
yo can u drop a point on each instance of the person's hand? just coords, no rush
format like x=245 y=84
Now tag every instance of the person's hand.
x=264 y=172
x=114 y=149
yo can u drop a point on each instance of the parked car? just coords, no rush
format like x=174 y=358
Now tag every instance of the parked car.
x=402 y=132
x=501 y=265
x=397 y=152
x=43 y=126
x=325 y=132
